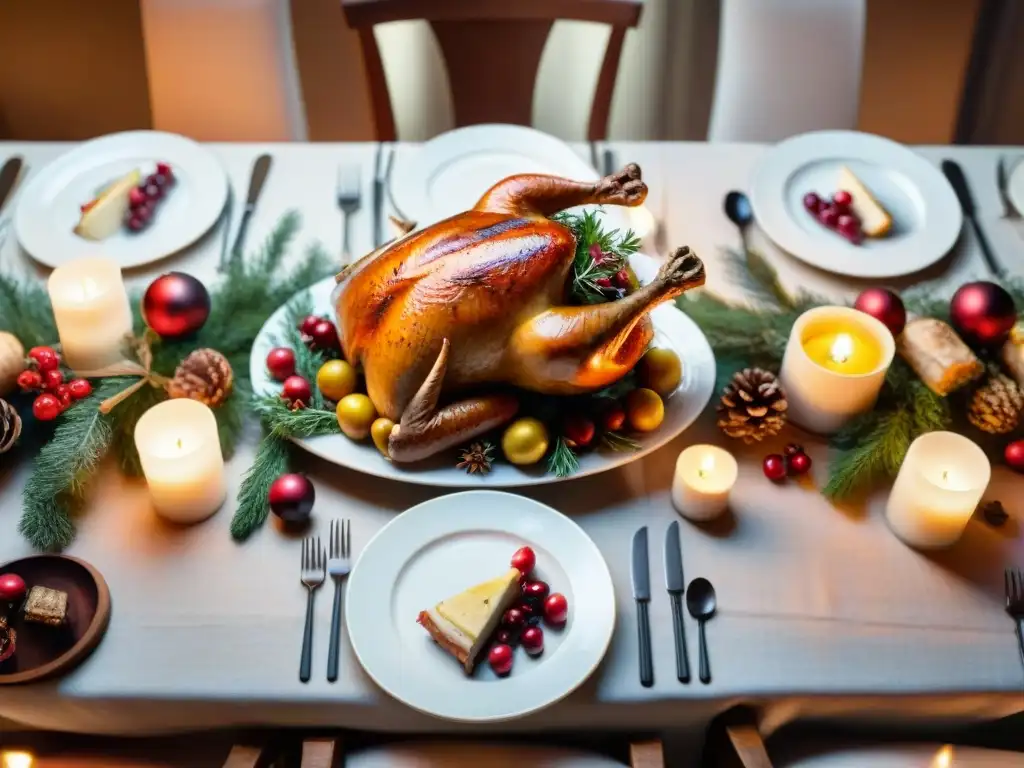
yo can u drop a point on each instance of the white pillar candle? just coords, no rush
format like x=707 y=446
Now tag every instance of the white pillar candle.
x=179 y=450
x=705 y=474
x=90 y=306
x=834 y=367
x=937 y=489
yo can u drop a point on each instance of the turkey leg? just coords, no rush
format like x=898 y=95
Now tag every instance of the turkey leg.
x=535 y=195
x=425 y=430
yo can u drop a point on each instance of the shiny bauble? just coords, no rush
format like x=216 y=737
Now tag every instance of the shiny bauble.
x=1014 y=456
x=774 y=467
x=336 y=379
x=524 y=560
x=525 y=441
x=12 y=588
x=296 y=392
x=176 y=305
x=983 y=313
x=291 y=498
x=578 y=431
x=12 y=362
x=280 y=363
x=356 y=415
x=324 y=335
x=660 y=370
x=556 y=609
x=500 y=658
x=308 y=324
x=885 y=306
x=532 y=640
x=380 y=433
x=644 y=410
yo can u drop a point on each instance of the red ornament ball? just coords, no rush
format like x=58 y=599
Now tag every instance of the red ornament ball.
x=983 y=313
x=579 y=431
x=1014 y=455
x=774 y=467
x=176 y=305
x=556 y=609
x=325 y=336
x=500 y=658
x=46 y=407
x=524 y=560
x=280 y=363
x=46 y=359
x=80 y=388
x=532 y=640
x=12 y=588
x=885 y=306
x=798 y=464
x=296 y=391
x=291 y=498
x=308 y=324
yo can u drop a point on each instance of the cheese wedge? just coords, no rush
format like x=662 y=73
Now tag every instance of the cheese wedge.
x=875 y=220
x=463 y=623
x=105 y=215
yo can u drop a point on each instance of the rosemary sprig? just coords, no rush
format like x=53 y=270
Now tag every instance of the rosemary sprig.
x=563 y=461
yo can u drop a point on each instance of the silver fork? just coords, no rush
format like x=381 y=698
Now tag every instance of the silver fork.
x=338 y=566
x=349 y=199
x=1003 y=171
x=1015 y=603
x=312 y=577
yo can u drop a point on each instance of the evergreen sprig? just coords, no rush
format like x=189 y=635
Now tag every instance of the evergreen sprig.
x=272 y=459
x=615 y=249
x=563 y=460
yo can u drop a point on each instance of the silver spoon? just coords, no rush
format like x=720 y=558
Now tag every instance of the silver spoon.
x=700 y=602
x=738 y=209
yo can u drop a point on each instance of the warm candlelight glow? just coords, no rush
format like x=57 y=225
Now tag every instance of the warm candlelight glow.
x=16 y=759
x=704 y=476
x=842 y=348
x=707 y=466
x=943 y=758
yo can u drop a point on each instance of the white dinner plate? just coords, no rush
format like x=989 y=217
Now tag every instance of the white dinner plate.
x=451 y=172
x=1015 y=185
x=925 y=211
x=445 y=545
x=49 y=206
x=672 y=329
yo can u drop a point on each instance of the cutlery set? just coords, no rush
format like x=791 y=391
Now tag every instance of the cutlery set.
x=700 y=602
x=316 y=567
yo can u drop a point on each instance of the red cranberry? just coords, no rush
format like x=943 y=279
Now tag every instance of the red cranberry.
x=579 y=431
x=514 y=618
x=296 y=390
x=164 y=169
x=556 y=609
x=842 y=198
x=158 y=179
x=812 y=202
x=829 y=216
x=614 y=418
x=63 y=393
x=774 y=467
x=308 y=324
x=153 y=192
x=280 y=363
x=52 y=379
x=80 y=388
x=46 y=358
x=532 y=640
x=799 y=464
x=604 y=282
x=500 y=658
x=535 y=590
x=524 y=560
x=46 y=407
x=505 y=637
x=622 y=278
x=792 y=449
x=135 y=223
x=325 y=335
x=136 y=197
x=29 y=381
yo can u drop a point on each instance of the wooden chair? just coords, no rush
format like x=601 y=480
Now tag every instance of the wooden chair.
x=492 y=50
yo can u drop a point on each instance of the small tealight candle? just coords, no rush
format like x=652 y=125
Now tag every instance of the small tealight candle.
x=834 y=367
x=937 y=489
x=179 y=450
x=705 y=474
x=91 y=309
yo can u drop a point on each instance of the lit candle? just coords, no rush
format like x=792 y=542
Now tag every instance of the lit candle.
x=90 y=306
x=704 y=476
x=16 y=760
x=834 y=367
x=179 y=450
x=937 y=489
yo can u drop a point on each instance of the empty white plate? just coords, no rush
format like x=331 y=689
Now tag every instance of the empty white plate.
x=924 y=208
x=451 y=172
x=50 y=204
x=446 y=545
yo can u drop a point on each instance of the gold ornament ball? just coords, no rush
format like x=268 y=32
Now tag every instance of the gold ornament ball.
x=380 y=432
x=12 y=362
x=355 y=415
x=336 y=379
x=661 y=370
x=525 y=441
x=644 y=410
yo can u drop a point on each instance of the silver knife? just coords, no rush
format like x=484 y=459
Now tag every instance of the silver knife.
x=642 y=595
x=378 y=195
x=8 y=177
x=676 y=585
x=260 y=169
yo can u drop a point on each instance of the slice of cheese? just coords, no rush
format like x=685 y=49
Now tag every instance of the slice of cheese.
x=105 y=215
x=874 y=219
x=474 y=610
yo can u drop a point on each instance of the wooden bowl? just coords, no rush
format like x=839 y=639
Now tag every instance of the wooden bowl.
x=42 y=651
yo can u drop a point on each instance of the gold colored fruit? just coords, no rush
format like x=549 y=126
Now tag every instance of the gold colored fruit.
x=525 y=441
x=336 y=379
x=644 y=410
x=380 y=431
x=355 y=415
x=660 y=370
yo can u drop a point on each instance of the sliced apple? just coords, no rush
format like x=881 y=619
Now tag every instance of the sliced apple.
x=105 y=215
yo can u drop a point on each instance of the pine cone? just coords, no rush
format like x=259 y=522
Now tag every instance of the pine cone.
x=753 y=406
x=10 y=426
x=476 y=458
x=205 y=375
x=996 y=405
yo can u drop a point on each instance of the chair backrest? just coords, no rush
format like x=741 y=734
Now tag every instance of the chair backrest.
x=492 y=50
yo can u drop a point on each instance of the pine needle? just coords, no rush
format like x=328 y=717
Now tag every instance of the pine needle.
x=619 y=443
x=563 y=461
x=25 y=311
x=300 y=423
x=616 y=249
x=272 y=459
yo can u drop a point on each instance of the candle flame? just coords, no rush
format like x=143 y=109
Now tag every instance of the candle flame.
x=842 y=348
x=16 y=760
x=180 y=446
x=707 y=466
x=943 y=758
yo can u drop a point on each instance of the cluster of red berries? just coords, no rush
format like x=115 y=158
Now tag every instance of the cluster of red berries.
x=619 y=280
x=142 y=200
x=836 y=214
x=796 y=462
x=44 y=376
x=320 y=334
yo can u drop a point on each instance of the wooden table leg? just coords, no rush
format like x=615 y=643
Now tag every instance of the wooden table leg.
x=248 y=756
x=321 y=753
x=647 y=754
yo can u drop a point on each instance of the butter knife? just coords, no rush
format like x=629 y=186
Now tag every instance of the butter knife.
x=955 y=175
x=260 y=170
x=676 y=585
x=379 y=182
x=8 y=177
x=642 y=596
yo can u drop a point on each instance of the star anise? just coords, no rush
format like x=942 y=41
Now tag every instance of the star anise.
x=476 y=458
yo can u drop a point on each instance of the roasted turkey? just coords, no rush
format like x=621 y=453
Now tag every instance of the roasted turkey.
x=446 y=322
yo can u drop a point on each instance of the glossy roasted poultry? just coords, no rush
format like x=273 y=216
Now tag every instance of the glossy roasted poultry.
x=447 y=321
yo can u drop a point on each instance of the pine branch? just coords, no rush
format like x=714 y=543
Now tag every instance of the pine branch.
x=272 y=460
x=303 y=422
x=563 y=461
x=25 y=311
x=619 y=443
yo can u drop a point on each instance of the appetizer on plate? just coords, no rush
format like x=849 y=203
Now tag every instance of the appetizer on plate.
x=130 y=201
x=852 y=212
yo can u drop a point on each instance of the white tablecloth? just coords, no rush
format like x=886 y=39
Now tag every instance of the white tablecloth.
x=822 y=610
